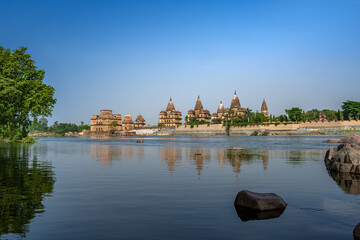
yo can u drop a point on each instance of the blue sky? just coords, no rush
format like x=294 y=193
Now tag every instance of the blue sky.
x=131 y=56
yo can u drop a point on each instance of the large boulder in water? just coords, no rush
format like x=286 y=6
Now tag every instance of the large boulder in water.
x=259 y=201
x=344 y=158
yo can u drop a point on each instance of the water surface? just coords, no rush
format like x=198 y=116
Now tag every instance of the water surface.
x=170 y=188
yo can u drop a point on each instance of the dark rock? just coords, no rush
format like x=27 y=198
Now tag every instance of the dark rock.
x=331 y=141
x=259 y=201
x=353 y=139
x=248 y=214
x=197 y=154
x=140 y=141
x=343 y=158
x=356 y=232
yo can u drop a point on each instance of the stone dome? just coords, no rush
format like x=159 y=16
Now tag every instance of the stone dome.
x=127 y=119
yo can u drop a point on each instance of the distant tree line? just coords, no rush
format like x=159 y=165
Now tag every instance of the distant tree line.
x=41 y=125
x=350 y=110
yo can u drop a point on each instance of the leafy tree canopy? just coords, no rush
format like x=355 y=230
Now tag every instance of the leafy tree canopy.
x=351 y=109
x=22 y=92
x=295 y=114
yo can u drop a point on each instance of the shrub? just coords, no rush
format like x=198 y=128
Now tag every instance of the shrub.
x=28 y=140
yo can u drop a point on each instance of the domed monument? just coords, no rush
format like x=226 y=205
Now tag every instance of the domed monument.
x=170 y=117
x=101 y=123
x=219 y=116
x=235 y=107
x=199 y=113
x=139 y=121
x=128 y=123
x=234 y=111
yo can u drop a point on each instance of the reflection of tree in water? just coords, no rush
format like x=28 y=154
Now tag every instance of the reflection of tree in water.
x=236 y=157
x=171 y=157
x=298 y=158
x=199 y=157
x=348 y=182
x=24 y=182
x=295 y=157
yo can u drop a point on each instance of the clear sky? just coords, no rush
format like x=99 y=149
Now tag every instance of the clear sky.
x=132 y=56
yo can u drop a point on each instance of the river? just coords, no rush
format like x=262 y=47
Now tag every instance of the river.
x=171 y=188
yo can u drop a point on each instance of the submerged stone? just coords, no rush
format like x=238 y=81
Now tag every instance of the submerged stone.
x=259 y=201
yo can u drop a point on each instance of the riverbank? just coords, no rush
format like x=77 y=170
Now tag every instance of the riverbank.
x=302 y=128
x=286 y=129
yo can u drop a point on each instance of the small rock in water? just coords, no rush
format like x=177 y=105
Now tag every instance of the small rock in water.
x=259 y=201
x=140 y=141
x=356 y=232
x=197 y=154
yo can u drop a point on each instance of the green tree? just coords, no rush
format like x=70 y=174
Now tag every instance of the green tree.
x=350 y=109
x=312 y=115
x=295 y=114
x=23 y=95
x=330 y=114
x=113 y=124
x=40 y=125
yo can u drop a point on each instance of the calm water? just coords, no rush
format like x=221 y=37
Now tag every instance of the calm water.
x=81 y=188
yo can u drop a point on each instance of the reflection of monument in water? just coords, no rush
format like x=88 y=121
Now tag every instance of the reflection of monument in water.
x=199 y=157
x=139 y=152
x=25 y=182
x=171 y=157
x=265 y=159
x=128 y=153
x=106 y=153
x=348 y=182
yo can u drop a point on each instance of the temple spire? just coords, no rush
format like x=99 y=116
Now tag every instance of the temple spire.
x=264 y=109
x=170 y=106
x=198 y=105
x=235 y=103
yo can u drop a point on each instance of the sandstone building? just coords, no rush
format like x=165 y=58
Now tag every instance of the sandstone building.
x=264 y=109
x=219 y=116
x=322 y=116
x=140 y=121
x=199 y=113
x=170 y=117
x=234 y=111
x=235 y=107
x=128 y=123
x=101 y=123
